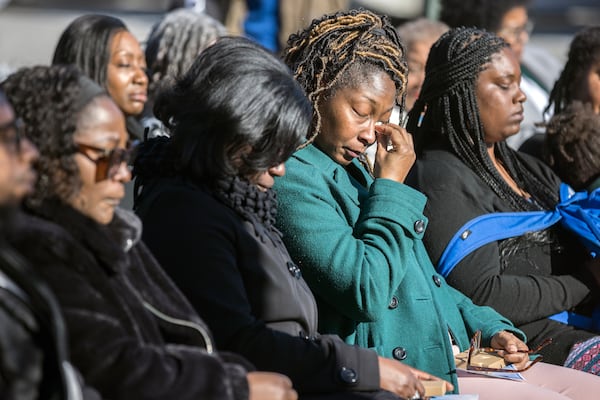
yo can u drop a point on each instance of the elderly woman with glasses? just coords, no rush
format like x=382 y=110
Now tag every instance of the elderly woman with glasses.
x=132 y=334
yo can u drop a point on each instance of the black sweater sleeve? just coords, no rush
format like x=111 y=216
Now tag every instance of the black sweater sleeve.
x=526 y=290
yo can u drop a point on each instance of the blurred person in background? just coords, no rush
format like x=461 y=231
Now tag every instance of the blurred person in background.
x=102 y=47
x=171 y=47
x=572 y=145
x=508 y=19
x=580 y=78
x=34 y=359
x=104 y=50
x=418 y=36
x=578 y=81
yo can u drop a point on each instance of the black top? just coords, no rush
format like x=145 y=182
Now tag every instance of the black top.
x=527 y=278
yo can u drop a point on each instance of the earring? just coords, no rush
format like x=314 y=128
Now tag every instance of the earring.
x=421 y=116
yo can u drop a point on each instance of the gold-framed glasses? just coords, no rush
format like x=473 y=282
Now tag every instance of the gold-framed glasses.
x=109 y=160
x=475 y=349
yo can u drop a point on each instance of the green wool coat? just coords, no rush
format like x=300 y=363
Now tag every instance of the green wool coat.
x=358 y=242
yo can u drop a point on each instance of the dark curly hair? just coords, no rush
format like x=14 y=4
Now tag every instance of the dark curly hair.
x=446 y=114
x=583 y=53
x=483 y=14
x=86 y=43
x=236 y=112
x=338 y=49
x=47 y=100
x=572 y=145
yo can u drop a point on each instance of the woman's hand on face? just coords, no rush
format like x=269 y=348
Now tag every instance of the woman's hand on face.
x=395 y=152
x=270 y=386
x=403 y=380
x=511 y=348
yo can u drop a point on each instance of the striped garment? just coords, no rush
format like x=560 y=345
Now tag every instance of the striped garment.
x=585 y=356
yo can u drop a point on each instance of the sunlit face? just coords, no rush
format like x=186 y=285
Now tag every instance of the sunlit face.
x=500 y=98
x=16 y=157
x=266 y=179
x=126 y=80
x=588 y=89
x=514 y=28
x=349 y=116
x=417 y=59
x=103 y=127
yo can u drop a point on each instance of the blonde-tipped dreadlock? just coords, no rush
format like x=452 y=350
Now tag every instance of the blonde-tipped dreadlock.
x=321 y=54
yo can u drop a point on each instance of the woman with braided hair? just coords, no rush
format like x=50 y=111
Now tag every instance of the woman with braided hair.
x=580 y=79
x=470 y=103
x=356 y=236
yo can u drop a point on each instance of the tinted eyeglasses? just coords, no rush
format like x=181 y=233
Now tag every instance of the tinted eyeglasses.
x=109 y=161
x=11 y=134
x=475 y=349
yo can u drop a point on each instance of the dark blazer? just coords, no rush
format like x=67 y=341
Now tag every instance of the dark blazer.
x=238 y=275
x=131 y=332
x=525 y=278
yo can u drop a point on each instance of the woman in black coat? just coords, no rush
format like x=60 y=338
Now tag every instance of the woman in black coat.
x=209 y=213
x=131 y=332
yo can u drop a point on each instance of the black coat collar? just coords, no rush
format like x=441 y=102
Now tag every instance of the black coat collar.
x=108 y=243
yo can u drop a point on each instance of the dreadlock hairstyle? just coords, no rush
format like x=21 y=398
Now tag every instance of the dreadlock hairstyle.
x=175 y=42
x=572 y=144
x=583 y=52
x=338 y=49
x=446 y=114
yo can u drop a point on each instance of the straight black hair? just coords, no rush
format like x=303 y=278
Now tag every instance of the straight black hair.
x=238 y=111
x=86 y=43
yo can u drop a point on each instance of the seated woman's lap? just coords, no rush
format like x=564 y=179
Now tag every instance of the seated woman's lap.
x=544 y=381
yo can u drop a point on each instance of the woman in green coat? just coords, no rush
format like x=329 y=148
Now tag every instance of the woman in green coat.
x=357 y=234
